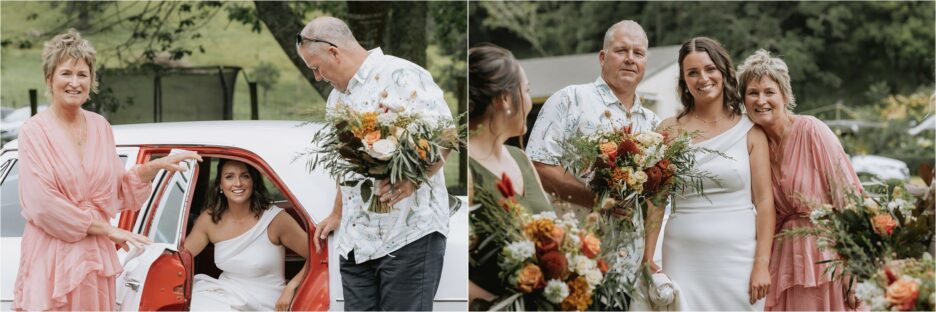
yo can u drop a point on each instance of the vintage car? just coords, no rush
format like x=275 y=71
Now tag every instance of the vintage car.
x=159 y=277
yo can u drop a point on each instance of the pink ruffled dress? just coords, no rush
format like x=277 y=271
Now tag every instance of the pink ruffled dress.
x=812 y=157
x=61 y=266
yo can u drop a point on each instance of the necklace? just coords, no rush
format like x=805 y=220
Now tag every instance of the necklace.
x=713 y=122
x=78 y=135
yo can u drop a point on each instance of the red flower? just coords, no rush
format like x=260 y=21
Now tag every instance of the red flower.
x=627 y=147
x=890 y=275
x=654 y=177
x=627 y=129
x=555 y=265
x=602 y=266
x=505 y=186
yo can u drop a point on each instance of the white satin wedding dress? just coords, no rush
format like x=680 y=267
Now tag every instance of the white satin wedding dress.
x=709 y=240
x=253 y=272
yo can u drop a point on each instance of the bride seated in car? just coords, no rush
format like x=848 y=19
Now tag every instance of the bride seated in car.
x=249 y=234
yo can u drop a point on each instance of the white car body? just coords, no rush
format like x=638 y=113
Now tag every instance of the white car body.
x=883 y=168
x=275 y=146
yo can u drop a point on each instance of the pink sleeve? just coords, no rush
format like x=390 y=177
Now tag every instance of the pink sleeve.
x=131 y=189
x=839 y=175
x=43 y=203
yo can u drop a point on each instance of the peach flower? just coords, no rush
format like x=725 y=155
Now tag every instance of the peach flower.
x=883 y=224
x=903 y=294
x=530 y=278
x=591 y=245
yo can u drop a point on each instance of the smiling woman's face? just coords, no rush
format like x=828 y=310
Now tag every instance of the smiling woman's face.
x=236 y=182
x=70 y=83
x=764 y=101
x=703 y=79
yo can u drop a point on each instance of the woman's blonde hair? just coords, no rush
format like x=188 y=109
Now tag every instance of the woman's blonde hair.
x=64 y=47
x=761 y=64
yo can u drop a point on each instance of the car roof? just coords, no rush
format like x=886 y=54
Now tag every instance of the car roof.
x=278 y=143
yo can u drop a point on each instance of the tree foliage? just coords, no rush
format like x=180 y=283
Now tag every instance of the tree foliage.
x=835 y=50
x=172 y=29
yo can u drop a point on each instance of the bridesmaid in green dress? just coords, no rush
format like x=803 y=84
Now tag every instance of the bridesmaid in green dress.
x=499 y=101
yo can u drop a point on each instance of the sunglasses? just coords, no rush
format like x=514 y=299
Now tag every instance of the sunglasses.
x=301 y=39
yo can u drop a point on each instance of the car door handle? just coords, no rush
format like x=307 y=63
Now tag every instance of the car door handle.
x=133 y=284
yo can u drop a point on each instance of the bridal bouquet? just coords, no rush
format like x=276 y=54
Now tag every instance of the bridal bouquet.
x=900 y=285
x=868 y=231
x=624 y=169
x=627 y=166
x=881 y=245
x=358 y=147
x=546 y=261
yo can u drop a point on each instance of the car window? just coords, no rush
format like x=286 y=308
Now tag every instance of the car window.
x=12 y=222
x=166 y=224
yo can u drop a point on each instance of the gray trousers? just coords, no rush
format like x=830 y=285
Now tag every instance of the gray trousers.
x=404 y=280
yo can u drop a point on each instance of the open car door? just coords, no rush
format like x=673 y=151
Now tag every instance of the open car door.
x=157 y=276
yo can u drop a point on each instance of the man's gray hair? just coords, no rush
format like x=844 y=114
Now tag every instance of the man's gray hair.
x=329 y=29
x=627 y=25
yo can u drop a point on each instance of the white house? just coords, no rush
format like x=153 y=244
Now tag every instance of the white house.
x=549 y=74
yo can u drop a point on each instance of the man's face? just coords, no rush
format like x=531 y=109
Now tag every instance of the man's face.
x=323 y=64
x=624 y=60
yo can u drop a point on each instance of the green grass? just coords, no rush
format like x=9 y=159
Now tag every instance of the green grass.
x=226 y=43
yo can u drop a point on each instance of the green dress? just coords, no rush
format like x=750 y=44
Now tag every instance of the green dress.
x=483 y=267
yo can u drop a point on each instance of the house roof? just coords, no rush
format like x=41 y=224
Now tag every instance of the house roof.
x=549 y=74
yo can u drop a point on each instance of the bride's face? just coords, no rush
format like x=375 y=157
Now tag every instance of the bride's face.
x=236 y=183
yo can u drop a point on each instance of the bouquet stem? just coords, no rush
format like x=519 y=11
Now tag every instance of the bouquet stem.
x=378 y=206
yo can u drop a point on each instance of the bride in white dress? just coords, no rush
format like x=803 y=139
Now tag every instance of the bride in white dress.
x=249 y=236
x=716 y=245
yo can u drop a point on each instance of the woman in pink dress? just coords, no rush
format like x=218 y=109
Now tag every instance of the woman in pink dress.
x=71 y=184
x=808 y=161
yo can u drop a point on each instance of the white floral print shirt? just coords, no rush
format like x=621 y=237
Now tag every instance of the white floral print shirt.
x=410 y=87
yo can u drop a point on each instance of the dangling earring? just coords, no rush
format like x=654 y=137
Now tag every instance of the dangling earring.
x=220 y=191
x=509 y=112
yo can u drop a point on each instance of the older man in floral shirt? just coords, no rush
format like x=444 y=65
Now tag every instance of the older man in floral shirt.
x=389 y=261
x=608 y=103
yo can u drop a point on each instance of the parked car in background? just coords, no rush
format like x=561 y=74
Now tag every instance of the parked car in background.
x=4 y=111
x=160 y=276
x=884 y=168
x=13 y=120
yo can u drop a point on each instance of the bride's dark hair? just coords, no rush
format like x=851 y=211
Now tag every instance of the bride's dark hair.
x=218 y=204
x=492 y=72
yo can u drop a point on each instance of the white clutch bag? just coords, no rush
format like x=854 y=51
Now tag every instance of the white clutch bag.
x=663 y=292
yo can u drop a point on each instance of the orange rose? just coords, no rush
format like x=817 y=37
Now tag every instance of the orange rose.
x=591 y=245
x=883 y=223
x=530 y=278
x=903 y=294
x=555 y=265
x=371 y=137
x=579 y=296
x=608 y=148
x=602 y=266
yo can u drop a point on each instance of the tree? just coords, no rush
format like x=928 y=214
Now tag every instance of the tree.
x=834 y=50
x=399 y=28
x=266 y=75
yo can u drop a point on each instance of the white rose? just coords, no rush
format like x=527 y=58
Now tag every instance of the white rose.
x=640 y=176
x=581 y=264
x=383 y=149
x=649 y=138
x=593 y=277
x=556 y=291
